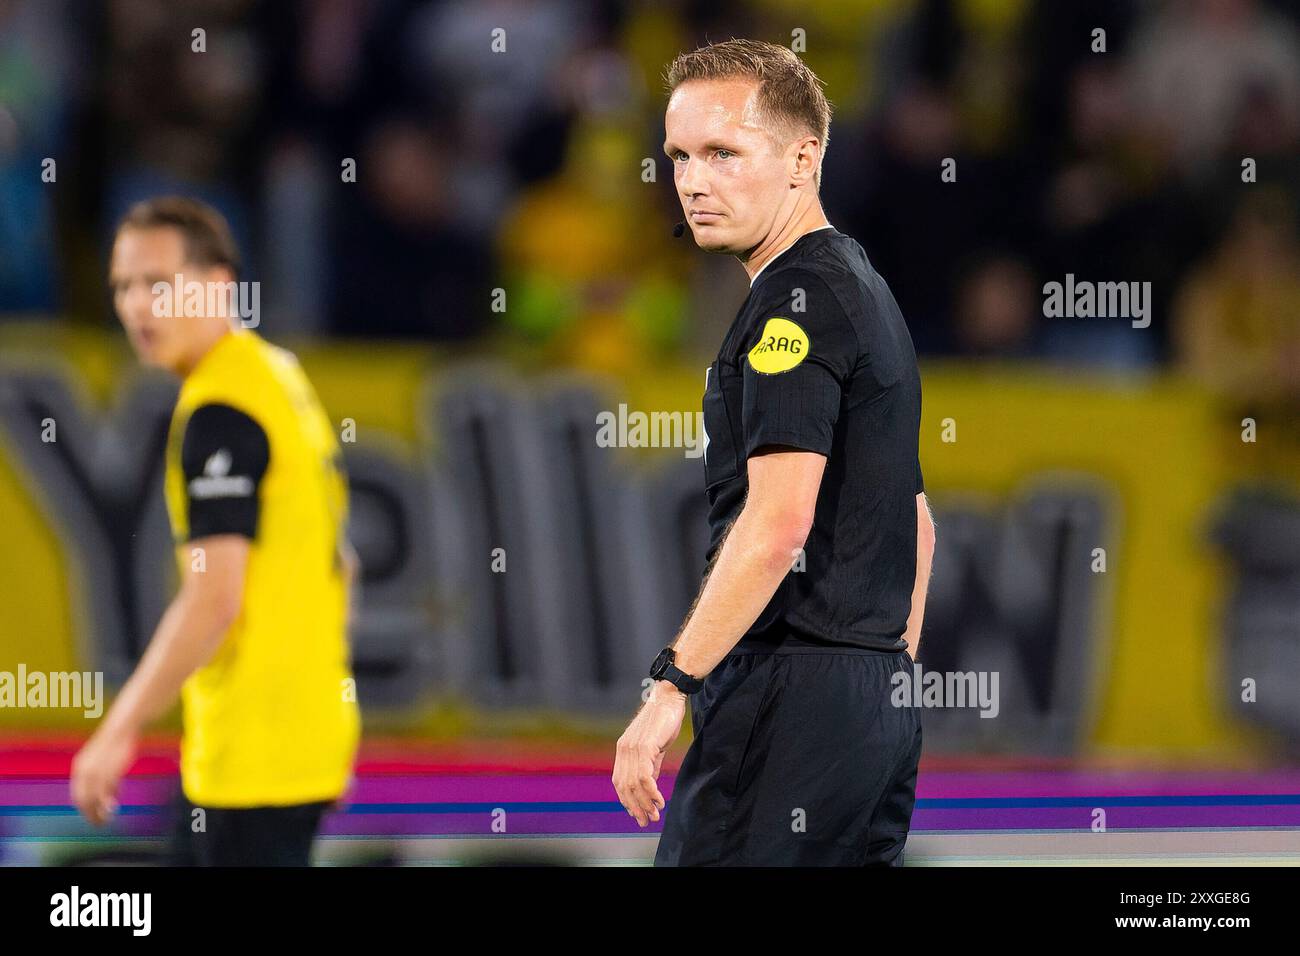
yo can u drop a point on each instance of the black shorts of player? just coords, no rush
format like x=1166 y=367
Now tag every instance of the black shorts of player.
x=253 y=836
x=799 y=759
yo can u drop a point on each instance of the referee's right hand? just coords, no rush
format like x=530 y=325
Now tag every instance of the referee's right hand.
x=641 y=749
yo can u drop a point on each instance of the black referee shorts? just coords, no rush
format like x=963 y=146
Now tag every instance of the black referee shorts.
x=253 y=836
x=799 y=759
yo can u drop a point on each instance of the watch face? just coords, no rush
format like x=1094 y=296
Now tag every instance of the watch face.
x=661 y=663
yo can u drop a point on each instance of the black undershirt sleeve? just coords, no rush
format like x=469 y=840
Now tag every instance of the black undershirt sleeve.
x=224 y=456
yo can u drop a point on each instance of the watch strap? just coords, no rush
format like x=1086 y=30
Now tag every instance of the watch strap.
x=683 y=681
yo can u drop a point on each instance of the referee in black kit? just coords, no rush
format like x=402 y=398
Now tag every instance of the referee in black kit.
x=821 y=537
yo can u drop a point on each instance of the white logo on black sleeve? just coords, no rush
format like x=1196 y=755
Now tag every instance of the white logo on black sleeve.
x=217 y=482
x=218 y=465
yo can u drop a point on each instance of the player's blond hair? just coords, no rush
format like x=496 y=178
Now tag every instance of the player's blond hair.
x=205 y=232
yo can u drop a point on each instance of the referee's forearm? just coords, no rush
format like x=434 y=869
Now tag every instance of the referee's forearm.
x=755 y=557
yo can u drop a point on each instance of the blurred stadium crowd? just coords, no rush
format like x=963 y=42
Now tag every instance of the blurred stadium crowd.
x=523 y=169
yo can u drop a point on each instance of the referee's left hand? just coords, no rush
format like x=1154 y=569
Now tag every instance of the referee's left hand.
x=641 y=749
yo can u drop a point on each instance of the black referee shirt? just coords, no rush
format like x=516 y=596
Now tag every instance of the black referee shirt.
x=819 y=358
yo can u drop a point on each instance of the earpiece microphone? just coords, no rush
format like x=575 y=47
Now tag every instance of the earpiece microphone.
x=679 y=230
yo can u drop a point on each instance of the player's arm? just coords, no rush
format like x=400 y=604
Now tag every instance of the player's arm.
x=224 y=457
x=924 y=561
x=351 y=565
x=188 y=635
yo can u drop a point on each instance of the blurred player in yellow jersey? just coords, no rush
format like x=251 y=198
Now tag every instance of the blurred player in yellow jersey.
x=255 y=642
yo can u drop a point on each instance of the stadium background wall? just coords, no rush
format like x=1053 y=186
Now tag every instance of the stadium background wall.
x=453 y=458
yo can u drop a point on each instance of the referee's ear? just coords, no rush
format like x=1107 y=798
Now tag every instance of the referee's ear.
x=805 y=161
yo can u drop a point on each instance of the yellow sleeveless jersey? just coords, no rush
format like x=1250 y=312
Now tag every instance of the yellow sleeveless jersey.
x=271 y=720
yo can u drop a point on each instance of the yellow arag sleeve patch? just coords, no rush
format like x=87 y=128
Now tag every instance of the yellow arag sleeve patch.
x=782 y=346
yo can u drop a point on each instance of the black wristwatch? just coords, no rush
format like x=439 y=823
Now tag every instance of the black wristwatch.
x=664 y=669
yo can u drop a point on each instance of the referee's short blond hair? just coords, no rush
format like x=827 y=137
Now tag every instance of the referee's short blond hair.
x=790 y=96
